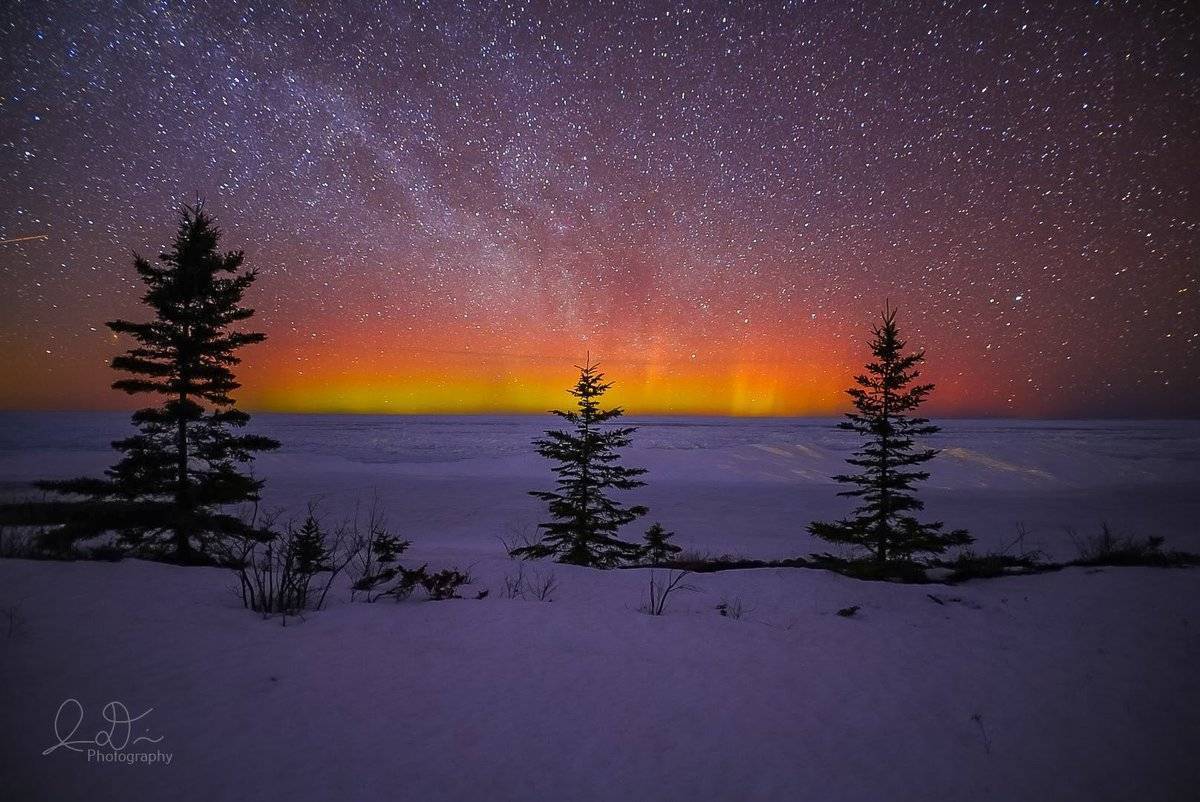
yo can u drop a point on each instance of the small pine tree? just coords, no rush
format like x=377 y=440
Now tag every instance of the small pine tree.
x=659 y=548
x=883 y=523
x=307 y=549
x=163 y=495
x=586 y=519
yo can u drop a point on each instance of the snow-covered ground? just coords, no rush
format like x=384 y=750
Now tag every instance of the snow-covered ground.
x=1081 y=684
x=1075 y=685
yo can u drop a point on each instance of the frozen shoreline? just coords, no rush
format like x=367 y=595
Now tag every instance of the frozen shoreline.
x=743 y=486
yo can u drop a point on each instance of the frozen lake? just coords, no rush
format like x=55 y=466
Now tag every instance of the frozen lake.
x=725 y=485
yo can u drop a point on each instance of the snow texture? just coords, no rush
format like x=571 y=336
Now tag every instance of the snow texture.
x=1081 y=684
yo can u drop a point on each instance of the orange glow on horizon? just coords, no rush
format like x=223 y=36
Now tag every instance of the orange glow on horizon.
x=378 y=372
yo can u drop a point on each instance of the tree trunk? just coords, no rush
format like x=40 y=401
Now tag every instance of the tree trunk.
x=183 y=503
x=882 y=525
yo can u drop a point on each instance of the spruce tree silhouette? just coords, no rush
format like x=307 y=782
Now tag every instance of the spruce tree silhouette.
x=162 y=497
x=657 y=546
x=883 y=523
x=586 y=519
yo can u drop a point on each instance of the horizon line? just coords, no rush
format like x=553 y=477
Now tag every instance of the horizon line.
x=530 y=414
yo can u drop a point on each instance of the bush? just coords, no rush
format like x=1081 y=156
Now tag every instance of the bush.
x=444 y=584
x=380 y=573
x=1109 y=548
x=969 y=565
x=661 y=589
x=376 y=562
x=870 y=569
x=540 y=587
x=1012 y=559
x=278 y=570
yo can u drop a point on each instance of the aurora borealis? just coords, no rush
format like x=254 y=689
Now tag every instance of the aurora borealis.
x=450 y=203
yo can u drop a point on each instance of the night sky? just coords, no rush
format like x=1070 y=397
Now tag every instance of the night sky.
x=451 y=203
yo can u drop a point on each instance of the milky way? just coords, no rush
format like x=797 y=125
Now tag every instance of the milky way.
x=452 y=203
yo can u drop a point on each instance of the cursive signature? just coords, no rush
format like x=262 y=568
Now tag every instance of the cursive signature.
x=117 y=736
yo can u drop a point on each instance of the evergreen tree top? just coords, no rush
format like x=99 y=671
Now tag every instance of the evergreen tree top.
x=588 y=388
x=195 y=292
x=883 y=394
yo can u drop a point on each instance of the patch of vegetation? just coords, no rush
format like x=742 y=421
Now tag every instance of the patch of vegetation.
x=969 y=565
x=698 y=562
x=661 y=589
x=379 y=574
x=1103 y=549
x=1012 y=559
x=105 y=552
x=290 y=570
x=1111 y=549
x=444 y=584
x=538 y=587
x=16 y=543
x=870 y=569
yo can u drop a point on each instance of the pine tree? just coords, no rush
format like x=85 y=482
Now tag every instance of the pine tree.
x=586 y=519
x=884 y=397
x=307 y=549
x=307 y=555
x=163 y=496
x=658 y=547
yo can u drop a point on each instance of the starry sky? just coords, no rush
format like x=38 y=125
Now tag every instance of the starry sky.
x=451 y=203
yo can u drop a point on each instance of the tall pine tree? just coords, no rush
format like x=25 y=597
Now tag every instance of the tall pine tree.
x=586 y=518
x=884 y=523
x=163 y=497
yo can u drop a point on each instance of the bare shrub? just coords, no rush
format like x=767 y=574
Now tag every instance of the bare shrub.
x=1110 y=548
x=1013 y=558
x=542 y=586
x=379 y=573
x=375 y=561
x=285 y=572
x=518 y=534
x=661 y=589
x=537 y=586
x=514 y=586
